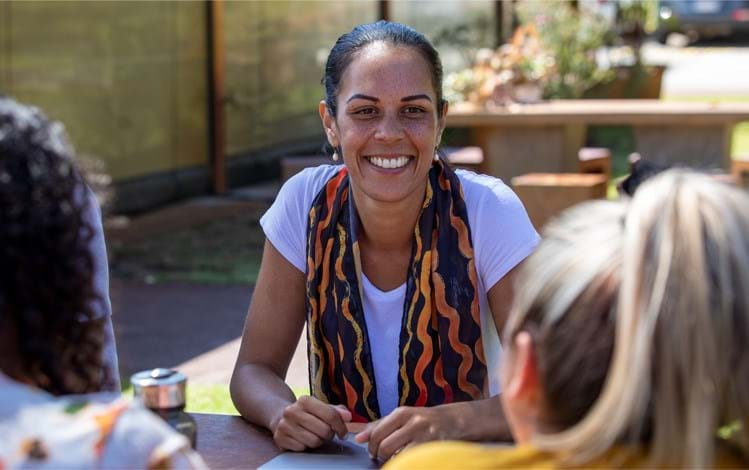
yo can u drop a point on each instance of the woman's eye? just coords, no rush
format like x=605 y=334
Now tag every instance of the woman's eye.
x=413 y=110
x=365 y=111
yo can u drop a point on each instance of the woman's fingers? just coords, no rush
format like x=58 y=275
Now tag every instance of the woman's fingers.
x=308 y=423
x=401 y=428
x=394 y=443
x=288 y=443
x=383 y=428
x=309 y=439
x=316 y=426
x=345 y=414
x=365 y=433
x=329 y=414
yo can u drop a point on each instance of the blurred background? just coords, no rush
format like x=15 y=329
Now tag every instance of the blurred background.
x=188 y=116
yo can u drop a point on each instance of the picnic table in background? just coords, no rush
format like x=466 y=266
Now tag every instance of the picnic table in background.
x=546 y=136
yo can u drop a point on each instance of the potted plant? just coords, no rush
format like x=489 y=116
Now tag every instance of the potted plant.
x=633 y=79
x=573 y=39
x=516 y=72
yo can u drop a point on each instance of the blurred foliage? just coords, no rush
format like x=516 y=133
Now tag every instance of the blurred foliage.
x=572 y=38
x=467 y=37
x=499 y=77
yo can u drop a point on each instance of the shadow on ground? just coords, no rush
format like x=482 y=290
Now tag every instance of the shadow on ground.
x=181 y=282
x=167 y=324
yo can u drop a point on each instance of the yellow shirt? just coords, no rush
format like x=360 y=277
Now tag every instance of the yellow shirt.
x=463 y=455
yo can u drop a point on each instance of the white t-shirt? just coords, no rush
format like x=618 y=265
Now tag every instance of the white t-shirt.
x=102 y=309
x=99 y=430
x=502 y=237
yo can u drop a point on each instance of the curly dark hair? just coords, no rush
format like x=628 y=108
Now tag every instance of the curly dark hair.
x=47 y=293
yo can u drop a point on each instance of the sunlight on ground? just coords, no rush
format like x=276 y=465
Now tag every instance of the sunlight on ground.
x=211 y=398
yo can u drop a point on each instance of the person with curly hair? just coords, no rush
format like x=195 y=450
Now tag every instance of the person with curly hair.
x=52 y=334
x=20 y=285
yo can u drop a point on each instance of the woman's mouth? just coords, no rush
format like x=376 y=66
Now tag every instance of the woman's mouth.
x=390 y=163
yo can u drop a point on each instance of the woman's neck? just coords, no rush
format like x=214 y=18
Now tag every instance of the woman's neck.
x=387 y=226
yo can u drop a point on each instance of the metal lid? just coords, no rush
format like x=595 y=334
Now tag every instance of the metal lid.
x=160 y=388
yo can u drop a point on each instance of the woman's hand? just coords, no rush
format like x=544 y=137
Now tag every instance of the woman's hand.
x=308 y=423
x=406 y=426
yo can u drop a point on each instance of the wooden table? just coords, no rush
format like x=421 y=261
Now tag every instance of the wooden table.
x=546 y=137
x=230 y=442
x=227 y=442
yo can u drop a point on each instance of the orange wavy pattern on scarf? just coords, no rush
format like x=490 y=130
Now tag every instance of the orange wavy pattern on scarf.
x=441 y=357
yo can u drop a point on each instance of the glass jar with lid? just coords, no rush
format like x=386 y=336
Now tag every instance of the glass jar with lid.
x=163 y=391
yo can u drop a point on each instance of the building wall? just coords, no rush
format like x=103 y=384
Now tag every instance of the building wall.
x=457 y=28
x=127 y=79
x=275 y=53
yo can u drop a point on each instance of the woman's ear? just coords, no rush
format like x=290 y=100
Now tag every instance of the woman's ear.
x=523 y=387
x=328 y=123
x=442 y=122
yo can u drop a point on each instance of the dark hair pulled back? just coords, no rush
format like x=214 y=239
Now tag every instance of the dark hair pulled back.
x=396 y=34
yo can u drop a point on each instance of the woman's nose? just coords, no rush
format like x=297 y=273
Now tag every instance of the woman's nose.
x=389 y=129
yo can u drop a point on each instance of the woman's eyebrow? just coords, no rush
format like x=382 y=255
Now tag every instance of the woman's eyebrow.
x=362 y=97
x=416 y=97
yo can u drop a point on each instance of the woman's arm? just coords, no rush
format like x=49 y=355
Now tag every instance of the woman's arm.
x=479 y=420
x=500 y=297
x=271 y=332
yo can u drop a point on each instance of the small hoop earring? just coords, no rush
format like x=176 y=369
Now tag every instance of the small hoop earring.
x=335 y=156
x=436 y=157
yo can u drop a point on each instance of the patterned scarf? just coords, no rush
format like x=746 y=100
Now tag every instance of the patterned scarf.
x=441 y=357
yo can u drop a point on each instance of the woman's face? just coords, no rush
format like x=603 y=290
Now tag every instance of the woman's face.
x=387 y=124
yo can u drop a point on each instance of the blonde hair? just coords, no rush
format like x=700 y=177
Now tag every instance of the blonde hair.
x=678 y=255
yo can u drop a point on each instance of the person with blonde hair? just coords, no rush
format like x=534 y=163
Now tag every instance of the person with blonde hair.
x=627 y=342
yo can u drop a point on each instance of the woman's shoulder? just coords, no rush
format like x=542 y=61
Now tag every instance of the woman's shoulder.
x=309 y=182
x=480 y=189
x=437 y=455
x=491 y=203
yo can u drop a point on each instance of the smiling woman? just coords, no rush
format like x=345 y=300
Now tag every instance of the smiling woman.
x=400 y=267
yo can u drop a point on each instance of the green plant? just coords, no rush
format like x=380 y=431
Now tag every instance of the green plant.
x=573 y=39
x=466 y=37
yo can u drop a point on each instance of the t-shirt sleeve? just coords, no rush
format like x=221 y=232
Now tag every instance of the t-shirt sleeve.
x=504 y=235
x=285 y=222
x=102 y=306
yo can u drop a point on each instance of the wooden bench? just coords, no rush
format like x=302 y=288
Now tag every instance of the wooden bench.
x=595 y=160
x=468 y=158
x=547 y=136
x=740 y=170
x=545 y=195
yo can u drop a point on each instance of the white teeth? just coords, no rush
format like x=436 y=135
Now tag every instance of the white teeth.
x=389 y=162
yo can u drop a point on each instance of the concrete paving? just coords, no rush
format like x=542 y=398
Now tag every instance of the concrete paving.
x=700 y=70
x=193 y=327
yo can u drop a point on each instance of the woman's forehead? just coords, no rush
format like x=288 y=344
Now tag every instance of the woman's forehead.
x=385 y=69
